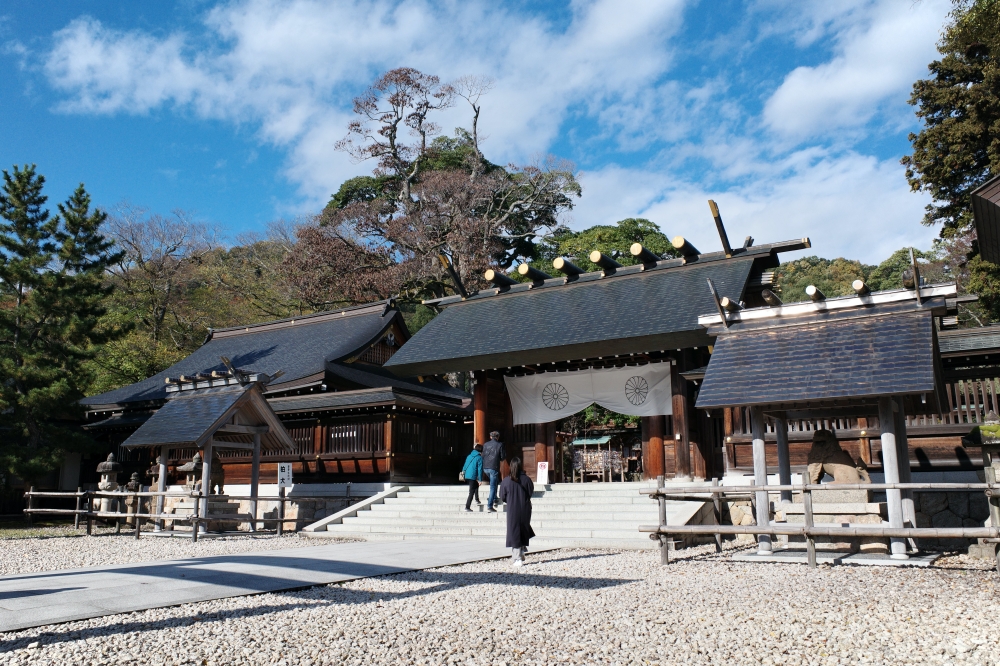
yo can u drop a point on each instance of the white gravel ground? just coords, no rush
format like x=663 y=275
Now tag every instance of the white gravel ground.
x=65 y=548
x=565 y=606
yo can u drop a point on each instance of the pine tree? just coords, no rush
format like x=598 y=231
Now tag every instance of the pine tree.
x=51 y=297
x=958 y=148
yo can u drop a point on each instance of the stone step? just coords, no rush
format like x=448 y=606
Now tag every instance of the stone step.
x=592 y=501
x=537 y=513
x=642 y=543
x=450 y=507
x=496 y=532
x=471 y=521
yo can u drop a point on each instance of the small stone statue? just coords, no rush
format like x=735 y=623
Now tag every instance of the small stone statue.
x=192 y=470
x=826 y=457
x=134 y=485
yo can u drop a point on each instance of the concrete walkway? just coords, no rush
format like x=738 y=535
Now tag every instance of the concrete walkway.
x=37 y=599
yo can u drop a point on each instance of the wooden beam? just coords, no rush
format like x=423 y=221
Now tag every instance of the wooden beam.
x=222 y=444
x=232 y=429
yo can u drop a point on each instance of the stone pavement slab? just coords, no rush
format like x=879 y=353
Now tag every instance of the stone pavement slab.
x=37 y=599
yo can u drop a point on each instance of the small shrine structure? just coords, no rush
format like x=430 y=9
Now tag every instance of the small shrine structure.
x=864 y=355
x=220 y=411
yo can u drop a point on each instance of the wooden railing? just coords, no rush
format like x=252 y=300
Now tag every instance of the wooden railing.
x=969 y=401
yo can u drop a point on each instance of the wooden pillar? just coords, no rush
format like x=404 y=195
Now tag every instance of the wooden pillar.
x=784 y=461
x=728 y=457
x=206 y=478
x=682 y=441
x=480 y=429
x=161 y=485
x=550 y=451
x=254 y=481
x=890 y=463
x=865 y=444
x=652 y=439
x=903 y=449
x=760 y=478
x=541 y=445
x=387 y=438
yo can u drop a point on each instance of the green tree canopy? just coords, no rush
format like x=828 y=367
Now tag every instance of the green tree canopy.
x=613 y=240
x=52 y=296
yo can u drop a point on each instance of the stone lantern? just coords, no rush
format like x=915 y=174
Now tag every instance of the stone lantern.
x=108 y=470
x=192 y=473
x=133 y=504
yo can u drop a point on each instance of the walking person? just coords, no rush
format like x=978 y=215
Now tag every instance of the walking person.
x=516 y=491
x=473 y=472
x=493 y=454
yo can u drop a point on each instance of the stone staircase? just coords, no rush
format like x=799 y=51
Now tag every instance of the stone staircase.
x=591 y=515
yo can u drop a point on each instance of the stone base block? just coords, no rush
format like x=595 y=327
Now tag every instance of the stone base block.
x=834 y=496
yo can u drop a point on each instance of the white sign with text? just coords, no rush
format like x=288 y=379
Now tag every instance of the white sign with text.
x=284 y=475
x=543 y=473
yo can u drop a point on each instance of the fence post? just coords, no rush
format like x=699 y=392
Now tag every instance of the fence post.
x=994 y=502
x=137 y=503
x=194 y=518
x=118 y=519
x=717 y=503
x=76 y=516
x=281 y=509
x=31 y=504
x=664 y=539
x=807 y=505
x=90 y=514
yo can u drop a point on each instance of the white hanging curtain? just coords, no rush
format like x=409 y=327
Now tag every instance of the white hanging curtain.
x=549 y=396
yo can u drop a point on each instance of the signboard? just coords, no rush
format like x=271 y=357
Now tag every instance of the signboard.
x=543 y=473
x=284 y=475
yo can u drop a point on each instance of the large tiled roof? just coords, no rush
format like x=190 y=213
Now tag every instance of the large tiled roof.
x=635 y=311
x=301 y=347
x=827 y=355
x=374 y=397
x=373 y=376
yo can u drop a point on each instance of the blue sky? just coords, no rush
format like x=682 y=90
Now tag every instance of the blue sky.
x=791 y=114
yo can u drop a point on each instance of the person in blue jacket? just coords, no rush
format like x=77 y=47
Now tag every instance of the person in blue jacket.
x=473 y=470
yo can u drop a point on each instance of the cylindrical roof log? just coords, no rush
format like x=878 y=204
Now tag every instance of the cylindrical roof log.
x=604 y=261
x=685 y=247
x=908 y=280
x=729 y=305
x=642 y=254
x=566 y=267
x=533 y=274
x=499 y=280
x=860 y=288
x=770 y=297
x=813 y=292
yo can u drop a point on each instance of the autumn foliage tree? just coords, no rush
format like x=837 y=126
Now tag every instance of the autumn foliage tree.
x=428 y=197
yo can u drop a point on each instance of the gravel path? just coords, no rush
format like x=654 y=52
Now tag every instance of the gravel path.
x=66 y=549
x=566 y=606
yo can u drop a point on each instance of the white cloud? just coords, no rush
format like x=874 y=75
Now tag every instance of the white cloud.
x=850 y=205
x=289 y=68
x=293 y=67
x=878 y=57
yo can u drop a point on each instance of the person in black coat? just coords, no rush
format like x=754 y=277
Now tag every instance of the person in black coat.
x=516 y=492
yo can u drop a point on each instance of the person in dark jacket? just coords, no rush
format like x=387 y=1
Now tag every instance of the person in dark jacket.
x=493 y=454
x=473 y=471
x=516 y=491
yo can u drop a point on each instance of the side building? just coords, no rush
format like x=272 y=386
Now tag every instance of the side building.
x=350 y=419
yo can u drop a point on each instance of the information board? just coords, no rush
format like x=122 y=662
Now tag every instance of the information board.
x=284 y=475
